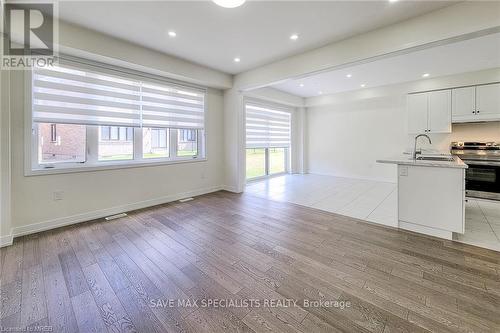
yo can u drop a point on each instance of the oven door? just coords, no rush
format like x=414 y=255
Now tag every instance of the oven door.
x=482 y=180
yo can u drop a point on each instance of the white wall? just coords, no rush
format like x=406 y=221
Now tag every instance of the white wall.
x=348 y=132
x=78 y=41
x=89 y=195
x=460 y=21
x=5 y=218
x=346 y=139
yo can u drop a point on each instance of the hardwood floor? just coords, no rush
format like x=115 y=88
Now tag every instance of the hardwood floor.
x=119 y=276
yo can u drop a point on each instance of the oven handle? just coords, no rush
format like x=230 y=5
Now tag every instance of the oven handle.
x=473 y=162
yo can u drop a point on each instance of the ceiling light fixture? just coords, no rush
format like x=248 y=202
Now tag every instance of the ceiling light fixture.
x=320 y=93
x=393 y=0
x=294 y=37
x=301 y=85
x=237 y=59
x=425 y=75
x=363 y=85
x=172 y=33
x=348 y=76
x=229 y=3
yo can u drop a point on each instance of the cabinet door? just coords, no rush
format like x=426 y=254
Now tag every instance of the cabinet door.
x=440 y=111
x=431 y=197
x=463 y=104
x=417 y=113
x=488 y=101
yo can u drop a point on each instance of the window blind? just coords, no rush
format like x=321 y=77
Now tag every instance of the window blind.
x=171 y=106
x=73 y=94
x=267 y=126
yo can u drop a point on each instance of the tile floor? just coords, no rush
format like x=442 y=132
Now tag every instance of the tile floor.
x=371 y=201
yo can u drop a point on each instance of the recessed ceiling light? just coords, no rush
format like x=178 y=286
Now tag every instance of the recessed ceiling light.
x=237 y=59
x=172 y=33
x=294 y=37
x=393 y=0
x=320 y=93
x=229 y=3
x=301 y=85
x=348 y=76
x=363 y=85
x=425 y=75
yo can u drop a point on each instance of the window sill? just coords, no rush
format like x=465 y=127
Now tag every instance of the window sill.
x=61 y=169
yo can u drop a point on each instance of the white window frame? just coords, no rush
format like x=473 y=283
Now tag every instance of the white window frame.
x=33 y=168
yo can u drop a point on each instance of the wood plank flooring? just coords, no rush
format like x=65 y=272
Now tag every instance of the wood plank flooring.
x=344 y=275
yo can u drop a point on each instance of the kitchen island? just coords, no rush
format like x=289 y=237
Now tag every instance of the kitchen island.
x=431 y=194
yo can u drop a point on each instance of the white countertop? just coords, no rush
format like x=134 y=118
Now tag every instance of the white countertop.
x=408 y=160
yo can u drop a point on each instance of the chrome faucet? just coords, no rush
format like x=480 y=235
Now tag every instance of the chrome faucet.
x=415 y=147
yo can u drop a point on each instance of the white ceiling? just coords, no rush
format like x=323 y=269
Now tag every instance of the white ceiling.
x=460 y=57
x=257 y=32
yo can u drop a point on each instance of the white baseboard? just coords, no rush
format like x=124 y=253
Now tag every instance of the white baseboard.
x=68 y=220
x=426 y=230
x=232 y=189
x=6 y=240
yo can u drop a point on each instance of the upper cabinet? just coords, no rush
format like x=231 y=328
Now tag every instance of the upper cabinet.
x=463 y=103
x=475 y=104
x=429 y=112
x=488 y=101
x=418 y=113
x=440 y=111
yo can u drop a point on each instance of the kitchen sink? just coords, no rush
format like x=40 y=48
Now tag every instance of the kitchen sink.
x=435 y=158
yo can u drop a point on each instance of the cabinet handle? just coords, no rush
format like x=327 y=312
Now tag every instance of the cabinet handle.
x=477 y=111
x=474 y=112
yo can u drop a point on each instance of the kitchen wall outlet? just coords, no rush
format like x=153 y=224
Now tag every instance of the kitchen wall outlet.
x=58 y=195
x=403 y=171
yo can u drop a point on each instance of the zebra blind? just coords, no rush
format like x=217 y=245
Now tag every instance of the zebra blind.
x=76 y=94
x=267 y=126
x=171 y=106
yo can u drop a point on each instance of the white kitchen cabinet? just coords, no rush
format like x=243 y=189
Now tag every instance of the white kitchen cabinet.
x=429 y=112
x=475 y=104
x=417 y=113
x=488 y=101
x=431 y=200
x=439 y=111
x=463 y=103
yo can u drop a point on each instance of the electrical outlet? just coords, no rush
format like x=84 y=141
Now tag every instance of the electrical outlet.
x=58 y=195
x=403 y=171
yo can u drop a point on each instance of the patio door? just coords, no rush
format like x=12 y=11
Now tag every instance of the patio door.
x=268 y=132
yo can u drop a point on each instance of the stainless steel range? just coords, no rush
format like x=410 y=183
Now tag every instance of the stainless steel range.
x=482 y=178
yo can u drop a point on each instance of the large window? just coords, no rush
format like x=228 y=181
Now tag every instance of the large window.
x=156 y=142
x=116 y=143
x=91 y=115
x=187 y=143
x=61 y=143
x=268 y=130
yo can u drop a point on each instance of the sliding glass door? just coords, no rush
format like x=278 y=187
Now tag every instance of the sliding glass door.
x=268 y=134
x=263 y=162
